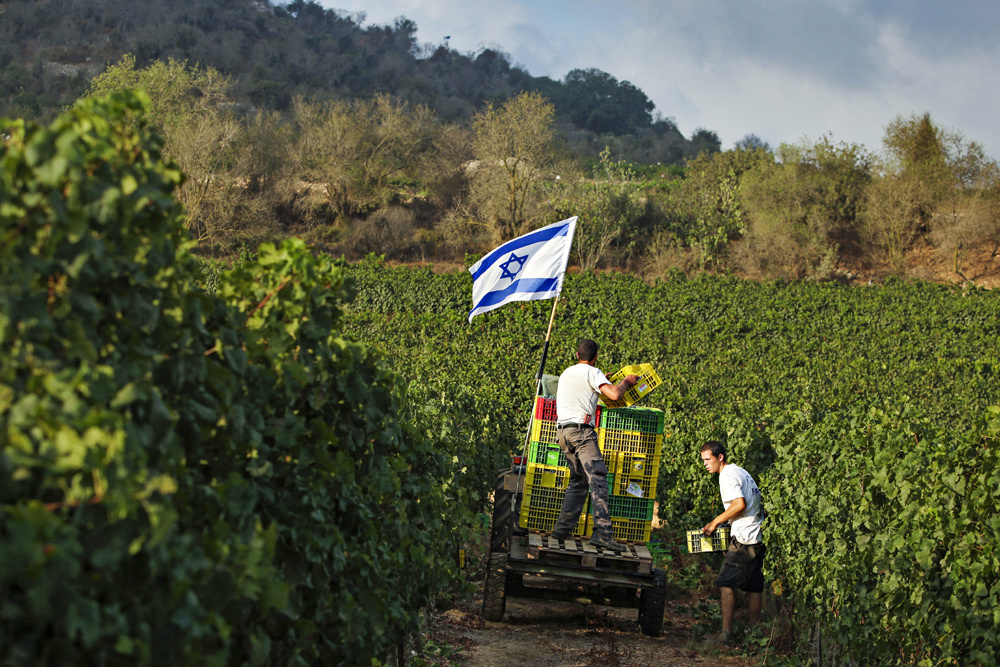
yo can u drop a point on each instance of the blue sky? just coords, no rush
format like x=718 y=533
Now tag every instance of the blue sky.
x=784 y=70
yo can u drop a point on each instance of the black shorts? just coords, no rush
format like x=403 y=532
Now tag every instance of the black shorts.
x=743 y=567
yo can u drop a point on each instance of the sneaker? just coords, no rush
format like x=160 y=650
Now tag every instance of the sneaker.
x=605 y=542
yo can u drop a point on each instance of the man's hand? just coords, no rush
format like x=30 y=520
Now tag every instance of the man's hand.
x=709 y=528
x=632 y=380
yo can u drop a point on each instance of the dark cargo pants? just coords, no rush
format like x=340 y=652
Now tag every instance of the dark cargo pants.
x=588 y=473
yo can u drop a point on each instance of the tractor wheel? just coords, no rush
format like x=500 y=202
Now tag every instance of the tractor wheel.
x=651 y=603
x=495 y=591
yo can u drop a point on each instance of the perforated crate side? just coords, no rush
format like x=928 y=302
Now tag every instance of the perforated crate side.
x=636 y=488
x=648 y=381
x=632 y=482
x=546 y=454
x=615 y=440
x=636 y=466
x=698 y=543
x=539 y=475
x=543 y=431
x=630 y=530
x=540 y=510
x=627 y=507
x=545 y=408
x=635 y=418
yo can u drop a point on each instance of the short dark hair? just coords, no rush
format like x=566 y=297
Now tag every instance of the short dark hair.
x=587 y=349
x=714 y=446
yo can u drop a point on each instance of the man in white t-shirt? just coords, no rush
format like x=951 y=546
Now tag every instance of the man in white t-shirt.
x=579 y=387
x=743 y=565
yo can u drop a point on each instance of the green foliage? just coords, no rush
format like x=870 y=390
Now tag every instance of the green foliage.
x=221 y=155
x=106 y=388
x=608 y=208
x=186 y=477
x=810 y=385
x=355 y=153
x=703 y=212
x=178 y=93
x=596 y=101
x=889 y=538
x=798 y=208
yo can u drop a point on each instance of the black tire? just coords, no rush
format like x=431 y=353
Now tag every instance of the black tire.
x=502 y=521
x=495 y=590
x=651 y=604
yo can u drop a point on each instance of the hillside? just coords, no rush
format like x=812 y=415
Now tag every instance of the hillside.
x=274 y=52
x=291 y=119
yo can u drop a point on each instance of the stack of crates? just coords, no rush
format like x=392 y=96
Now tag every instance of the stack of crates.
x=544 y=489
x=631 y=439
x=548 y=474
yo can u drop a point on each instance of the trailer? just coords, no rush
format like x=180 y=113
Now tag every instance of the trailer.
x=533 y=564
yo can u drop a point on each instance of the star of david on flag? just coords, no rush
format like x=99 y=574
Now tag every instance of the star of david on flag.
x=527 y=268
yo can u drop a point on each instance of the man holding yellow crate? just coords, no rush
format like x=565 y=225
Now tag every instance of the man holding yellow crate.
x=743 y=565
x=579 y=388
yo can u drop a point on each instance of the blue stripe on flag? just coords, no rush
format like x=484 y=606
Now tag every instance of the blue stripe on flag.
x=544 y=234
x=528 y=286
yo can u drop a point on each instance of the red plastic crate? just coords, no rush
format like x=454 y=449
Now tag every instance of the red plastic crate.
x=545 y=410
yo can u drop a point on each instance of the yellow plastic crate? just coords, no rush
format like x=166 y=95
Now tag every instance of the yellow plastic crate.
x=648 y=381
x=636 y=475
x=698 y=543
x=636 y=466
x=625 y=530
x=539 y=475
x=543 y=431
x=615 y=440
x=540 y=508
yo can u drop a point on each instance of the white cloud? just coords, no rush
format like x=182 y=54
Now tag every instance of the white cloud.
x=781 y=69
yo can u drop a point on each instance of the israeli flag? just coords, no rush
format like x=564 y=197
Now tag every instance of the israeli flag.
x=528 y=268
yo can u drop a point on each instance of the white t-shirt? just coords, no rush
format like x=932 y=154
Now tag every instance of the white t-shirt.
x=735 y=482
x=577 y=394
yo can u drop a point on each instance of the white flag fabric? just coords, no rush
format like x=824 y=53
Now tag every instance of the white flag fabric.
x=528 y=268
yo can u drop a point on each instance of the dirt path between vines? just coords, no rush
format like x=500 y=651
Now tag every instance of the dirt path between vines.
x=567 y=634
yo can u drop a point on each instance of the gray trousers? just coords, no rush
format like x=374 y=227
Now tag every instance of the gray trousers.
x=588 y=473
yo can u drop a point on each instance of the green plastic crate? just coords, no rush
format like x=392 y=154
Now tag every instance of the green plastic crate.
x=642 y=420
x=546 y=454
x=627 y=507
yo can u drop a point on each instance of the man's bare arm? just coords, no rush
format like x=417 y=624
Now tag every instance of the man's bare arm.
x=615 y=393
x=735 y=508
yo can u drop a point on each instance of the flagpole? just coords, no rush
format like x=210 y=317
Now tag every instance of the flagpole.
x=543 y=256
x=541 y=368
x=545 y=349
